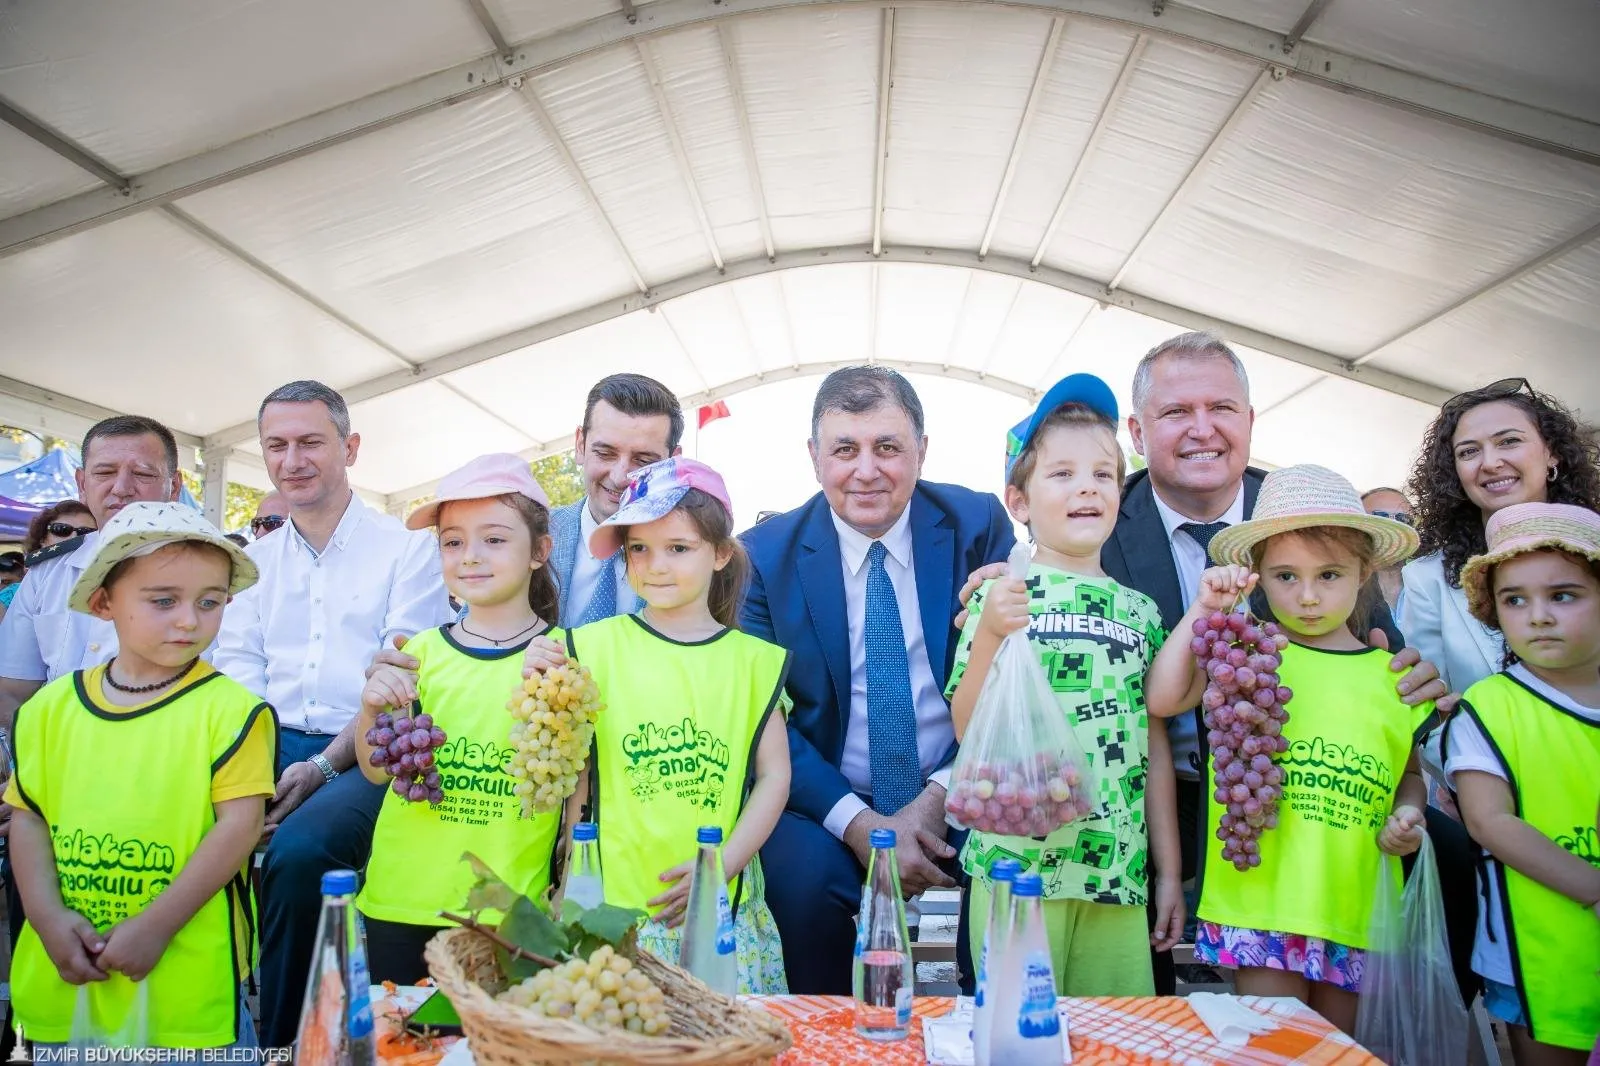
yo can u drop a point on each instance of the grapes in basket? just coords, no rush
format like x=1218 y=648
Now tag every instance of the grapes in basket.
x=403 y=746
x=1245 y=710
x=553 y=722
x=1032 y=796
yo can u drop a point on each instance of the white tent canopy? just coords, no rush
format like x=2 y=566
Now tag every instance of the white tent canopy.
x=463 y=212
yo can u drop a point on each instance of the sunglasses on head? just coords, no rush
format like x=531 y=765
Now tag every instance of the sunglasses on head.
x=1495 y=390
x=266 y=523
x=1398 y=516
x=67 y=529
x=10 y=561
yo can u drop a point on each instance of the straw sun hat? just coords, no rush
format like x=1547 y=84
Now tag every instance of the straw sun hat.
x=1301 y=497
x=1523 y=528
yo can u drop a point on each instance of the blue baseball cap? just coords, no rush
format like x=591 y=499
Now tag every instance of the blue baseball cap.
x=1086 y=389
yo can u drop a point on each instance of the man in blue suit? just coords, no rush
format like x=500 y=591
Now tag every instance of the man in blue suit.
x=859 y=584
x=629 y=421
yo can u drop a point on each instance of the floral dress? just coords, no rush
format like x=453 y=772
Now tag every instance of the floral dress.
x=755 y=939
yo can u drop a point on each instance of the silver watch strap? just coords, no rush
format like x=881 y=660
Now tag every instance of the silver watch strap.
x=321 y=763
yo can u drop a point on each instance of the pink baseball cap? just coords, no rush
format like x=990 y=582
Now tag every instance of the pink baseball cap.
x=487 y=476
x=653 y=491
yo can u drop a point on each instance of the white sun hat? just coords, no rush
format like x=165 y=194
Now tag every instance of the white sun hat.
x=1301 y=497
x=141 y=528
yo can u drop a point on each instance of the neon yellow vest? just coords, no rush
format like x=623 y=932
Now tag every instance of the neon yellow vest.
x=465 y=690
x=1552 y=759
x=675 y=745
x=1349 y=740
x=128 y=800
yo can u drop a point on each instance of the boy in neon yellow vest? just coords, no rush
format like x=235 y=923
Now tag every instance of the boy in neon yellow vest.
x=1523 y=755
x=140 y=791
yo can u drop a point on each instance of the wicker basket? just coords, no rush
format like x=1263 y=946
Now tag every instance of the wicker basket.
x=707 y=1029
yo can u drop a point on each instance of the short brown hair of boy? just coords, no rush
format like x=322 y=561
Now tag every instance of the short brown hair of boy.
x=1352 y=541
x=1074 y=415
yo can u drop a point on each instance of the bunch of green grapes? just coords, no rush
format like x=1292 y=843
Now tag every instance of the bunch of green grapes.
x=603 y=991
x=553 y=722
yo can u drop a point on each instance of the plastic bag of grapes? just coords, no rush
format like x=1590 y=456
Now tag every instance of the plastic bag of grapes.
x=1409 y=1012
x=1020 y=770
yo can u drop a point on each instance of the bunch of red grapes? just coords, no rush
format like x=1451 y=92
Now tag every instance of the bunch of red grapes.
x=403 y=746
x=1244 y=716
x=1032 y=797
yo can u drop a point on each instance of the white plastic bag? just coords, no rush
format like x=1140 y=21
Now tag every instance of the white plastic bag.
x=1410 y=1011
x=1021 y=770
x=86 y=1032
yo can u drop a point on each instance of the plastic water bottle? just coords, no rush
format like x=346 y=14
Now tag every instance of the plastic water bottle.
x=882 y=974
x=583 y=876
x=1026 y=1029
x=707 y=950
x=1001 y=874
x=336 y=1017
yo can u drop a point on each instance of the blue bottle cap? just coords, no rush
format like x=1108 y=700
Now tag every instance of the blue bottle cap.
x=585 y=831
x=339 y=883
x=882 y=838
x=709 y=834
x=1004 y=870
x=1028 y=885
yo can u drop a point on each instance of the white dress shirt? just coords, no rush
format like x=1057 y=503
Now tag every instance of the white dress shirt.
x=935 y=730
x=586 y=568
x=303 y=636
x=1190 y=559
x=41 y=639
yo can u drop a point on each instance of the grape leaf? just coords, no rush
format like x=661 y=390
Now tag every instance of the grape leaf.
x=530 y=929
x=609 y=923
x=489 y=892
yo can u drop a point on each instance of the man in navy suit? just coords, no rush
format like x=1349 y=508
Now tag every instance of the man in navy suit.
x=859 y=584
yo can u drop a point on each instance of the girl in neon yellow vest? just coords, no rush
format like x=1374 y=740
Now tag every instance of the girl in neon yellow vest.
x=139 y=795
x=693 y=733
x=1523 y=755
x=494 y=543
x=1297 y=924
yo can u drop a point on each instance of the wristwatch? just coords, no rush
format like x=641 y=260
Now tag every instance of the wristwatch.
x=328 y=772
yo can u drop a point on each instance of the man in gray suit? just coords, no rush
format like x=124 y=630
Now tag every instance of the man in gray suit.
x=629 y=421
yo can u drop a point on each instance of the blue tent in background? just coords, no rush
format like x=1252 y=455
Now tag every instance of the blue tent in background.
x=32 y=487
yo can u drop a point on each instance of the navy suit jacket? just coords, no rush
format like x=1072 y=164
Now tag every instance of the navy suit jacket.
x=566 y=530
x=797 y=601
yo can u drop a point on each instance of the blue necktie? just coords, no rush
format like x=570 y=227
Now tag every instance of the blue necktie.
x=891 y=718
x=603 y=604
x=1202 y=532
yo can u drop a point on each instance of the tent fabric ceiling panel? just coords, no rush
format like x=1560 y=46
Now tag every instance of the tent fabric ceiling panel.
x=457 y=226
x=416 y=433
x=919 y=310
x=811 y=87
x=1316 y=427
x=144 y=84
x=763 y=304
x=119 y=315
x=985 y=305
x=1377 y=219
x=1088 y=59
x=1543 y=51
x=1278 y=15
x=829 y=312
x=604 y=110
x=710 y=327
x=33 y=175
x=1036 y=331
x=522 y=20
x=695 y=81
x=1545 y=326
x=960 y=83
x=1175 y=103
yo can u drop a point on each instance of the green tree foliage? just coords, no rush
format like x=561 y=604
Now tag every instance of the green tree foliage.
x=238 y=507
x=560 y=478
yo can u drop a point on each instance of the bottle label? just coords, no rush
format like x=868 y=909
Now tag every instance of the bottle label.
x=360 y=995
x=724 y=924
x=1037 y=1018
x=902 y=1007
x=983 y=974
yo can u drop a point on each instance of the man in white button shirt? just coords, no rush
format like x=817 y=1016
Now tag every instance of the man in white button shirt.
x=125 y=458
x=339 y=581
x=878 y=551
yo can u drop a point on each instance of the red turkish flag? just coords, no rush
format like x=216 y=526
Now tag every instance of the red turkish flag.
x=711 y=412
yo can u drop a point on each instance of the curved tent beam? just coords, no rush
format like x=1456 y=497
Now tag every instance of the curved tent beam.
x=530 y=336
x=1522 y=123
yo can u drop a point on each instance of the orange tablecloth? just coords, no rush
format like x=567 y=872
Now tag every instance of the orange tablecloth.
x=1103 y=1031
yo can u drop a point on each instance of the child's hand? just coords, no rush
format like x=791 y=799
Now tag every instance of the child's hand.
x=542 y=654
x=389 y=686
x=1005 y=608
x=134 y=946
x=675 y=900
x=1402 y=833
x=73 y=944
x=1168 y=931
x=1222 y=587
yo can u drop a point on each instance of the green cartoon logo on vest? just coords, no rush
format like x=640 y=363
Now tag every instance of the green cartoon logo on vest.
x=1583 y=841
x=1337 y=784
x=684 y=760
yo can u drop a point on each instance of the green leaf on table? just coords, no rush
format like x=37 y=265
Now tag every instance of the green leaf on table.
x=609 y=923
x=488 y=892
x=530 y=929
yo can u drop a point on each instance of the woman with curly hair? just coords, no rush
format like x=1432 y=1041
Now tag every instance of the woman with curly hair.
x=57 y=523
x=1489 y=448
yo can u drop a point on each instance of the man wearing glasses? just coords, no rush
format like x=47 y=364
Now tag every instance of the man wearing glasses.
x=1385 y=502
x=271 y=513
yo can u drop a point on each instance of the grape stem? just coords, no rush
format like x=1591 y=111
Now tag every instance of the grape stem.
x=484 y=930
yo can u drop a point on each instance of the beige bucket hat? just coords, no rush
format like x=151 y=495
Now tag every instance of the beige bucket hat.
x=1301 y=497
x=141 y=528
x=1523 y=528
